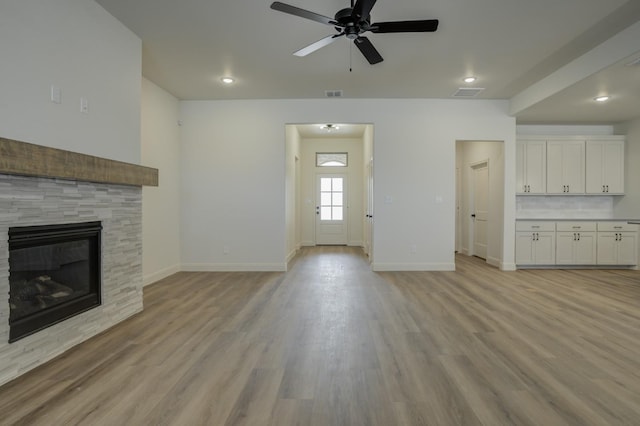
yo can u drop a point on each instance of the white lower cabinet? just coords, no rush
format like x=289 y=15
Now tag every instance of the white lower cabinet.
x=535 y=243
x=617 y=244
x=576 y=243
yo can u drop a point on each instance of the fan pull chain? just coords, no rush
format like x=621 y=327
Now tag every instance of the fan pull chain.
x=350 y=57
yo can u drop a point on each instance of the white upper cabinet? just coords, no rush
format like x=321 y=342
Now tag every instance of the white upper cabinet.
x=605 y=167
x=565 y=167
x=570 y=165
x=531 y=167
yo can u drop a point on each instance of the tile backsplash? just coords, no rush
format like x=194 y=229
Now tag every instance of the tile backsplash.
x=561 y=207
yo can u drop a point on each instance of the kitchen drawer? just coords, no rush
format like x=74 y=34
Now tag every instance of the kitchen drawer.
x=616 y=227
x=536 y=226
x=563 y=226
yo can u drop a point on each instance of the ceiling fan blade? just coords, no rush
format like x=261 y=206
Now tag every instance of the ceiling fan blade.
x=317 y=45
x=366 y=48
x=426 y=26
x=362 y=8
x=296 y=11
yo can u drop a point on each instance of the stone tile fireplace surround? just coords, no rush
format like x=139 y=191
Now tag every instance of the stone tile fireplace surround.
x=37 y=188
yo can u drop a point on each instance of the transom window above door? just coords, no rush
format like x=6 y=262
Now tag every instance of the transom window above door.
x=331 y=159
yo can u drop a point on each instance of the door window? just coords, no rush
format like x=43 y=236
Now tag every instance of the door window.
x=331 y=198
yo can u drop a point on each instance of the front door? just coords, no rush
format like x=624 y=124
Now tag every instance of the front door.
x=481 y=209
x=331 y=209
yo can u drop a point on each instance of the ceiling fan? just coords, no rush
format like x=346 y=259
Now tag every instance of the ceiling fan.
x=351 y=23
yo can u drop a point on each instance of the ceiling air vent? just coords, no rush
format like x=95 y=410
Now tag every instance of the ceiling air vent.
x=467 y=92
x=333 y=93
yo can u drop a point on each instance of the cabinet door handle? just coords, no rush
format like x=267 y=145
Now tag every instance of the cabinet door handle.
x=578 y=236
x=607 y=188
x=574 y=236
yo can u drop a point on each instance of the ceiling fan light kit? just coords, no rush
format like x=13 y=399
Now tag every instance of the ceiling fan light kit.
x=351 y=23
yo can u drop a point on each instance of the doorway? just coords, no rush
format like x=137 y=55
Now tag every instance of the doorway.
x=480 y=200
x=313 y=152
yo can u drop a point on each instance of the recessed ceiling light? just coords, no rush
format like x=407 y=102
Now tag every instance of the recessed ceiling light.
x=601 y=99
x=227 y=80
x=470 y=79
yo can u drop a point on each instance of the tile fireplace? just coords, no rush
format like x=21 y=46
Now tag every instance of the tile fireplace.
x=56 y=192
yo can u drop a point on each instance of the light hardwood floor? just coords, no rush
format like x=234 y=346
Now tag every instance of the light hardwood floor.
x=332 y=343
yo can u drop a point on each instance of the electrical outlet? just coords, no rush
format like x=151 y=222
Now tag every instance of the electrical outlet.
x=56 y=94
x=225 y=250
x=84 y=105
x=413 y=248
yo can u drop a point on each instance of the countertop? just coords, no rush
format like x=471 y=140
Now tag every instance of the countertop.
x=565 y=219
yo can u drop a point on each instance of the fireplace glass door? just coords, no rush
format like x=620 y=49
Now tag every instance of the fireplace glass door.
x=54 y=273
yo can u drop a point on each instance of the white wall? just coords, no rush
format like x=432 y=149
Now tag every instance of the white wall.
x=79 y=47
x=564 y=129
x=233 y=188
x=629 y=205
x=472 y=152
x=161 y=204
x=292 y=195
x=355 y=213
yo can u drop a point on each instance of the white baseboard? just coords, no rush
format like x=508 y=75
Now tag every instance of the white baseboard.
x=158 y=275
x=234 y=267
x=507 y=266
x=494 y=261
x=413 y=266
x=307 y=243
x=292 y=254
x=355 y=243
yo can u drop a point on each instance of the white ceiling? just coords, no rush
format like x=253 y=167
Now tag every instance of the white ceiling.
x=188 y=45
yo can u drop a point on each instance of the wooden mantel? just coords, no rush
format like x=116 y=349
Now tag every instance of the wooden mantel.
x=21 y=158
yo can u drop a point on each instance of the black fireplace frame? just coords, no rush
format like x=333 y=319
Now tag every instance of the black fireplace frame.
x=30 y=236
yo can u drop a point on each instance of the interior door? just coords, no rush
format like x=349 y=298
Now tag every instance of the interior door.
x=368 y=222
x=331 y=209
x=481 y=209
